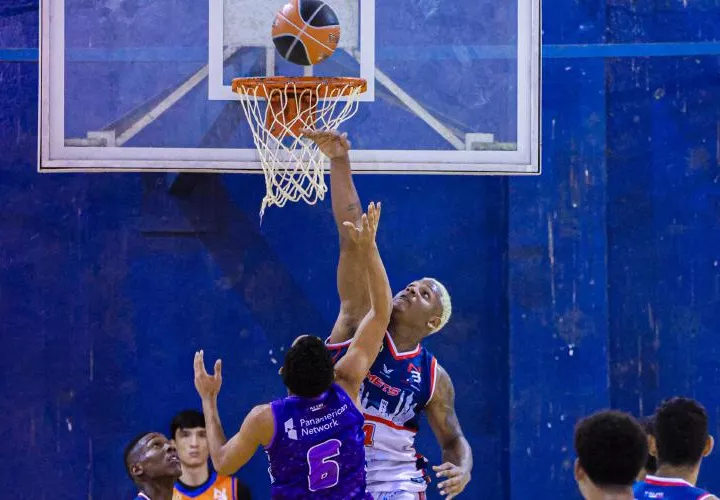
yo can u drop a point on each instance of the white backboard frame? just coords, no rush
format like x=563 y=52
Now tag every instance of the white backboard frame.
x=56 y=154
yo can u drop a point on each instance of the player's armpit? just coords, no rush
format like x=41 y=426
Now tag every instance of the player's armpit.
x=257 y=429
x=456 y=452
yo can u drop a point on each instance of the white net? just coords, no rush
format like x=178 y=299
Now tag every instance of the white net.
x=293 y=166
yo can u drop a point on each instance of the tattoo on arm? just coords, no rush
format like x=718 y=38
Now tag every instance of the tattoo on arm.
x=445 y=424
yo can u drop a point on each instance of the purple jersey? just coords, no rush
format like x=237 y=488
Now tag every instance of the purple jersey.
x=317 y=450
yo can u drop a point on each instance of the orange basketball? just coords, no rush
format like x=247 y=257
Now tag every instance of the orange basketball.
x=306 y=32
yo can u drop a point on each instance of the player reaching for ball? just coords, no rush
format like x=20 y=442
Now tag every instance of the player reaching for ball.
x=405 y=379
x=313 y=437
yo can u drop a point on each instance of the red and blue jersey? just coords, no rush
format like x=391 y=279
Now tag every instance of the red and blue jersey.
x=398 y=387
x=666 y=488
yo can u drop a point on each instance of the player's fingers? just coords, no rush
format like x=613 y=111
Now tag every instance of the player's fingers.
x=196 y=363
x=365 y=224
x=351 y=229
x=312 y=134
x=450 y=483
x=445 y=470
x=376 y=217
x=202 y=362
x=445 y=466
x=371 y=214
x=218 y=368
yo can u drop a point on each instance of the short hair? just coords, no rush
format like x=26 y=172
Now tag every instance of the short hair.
x=611 y=447
x=648 y=424
x=186 y=419
x=308 y=369
x=445 y=303
x=128 y=450
x=681 y=432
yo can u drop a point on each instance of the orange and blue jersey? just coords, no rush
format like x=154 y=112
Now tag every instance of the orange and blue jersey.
x=215 y=488
x=667 y=488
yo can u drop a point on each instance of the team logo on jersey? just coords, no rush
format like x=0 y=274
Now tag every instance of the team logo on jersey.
x=290 y=429
x=387 y=371
x=219 y=494
x=386 y=388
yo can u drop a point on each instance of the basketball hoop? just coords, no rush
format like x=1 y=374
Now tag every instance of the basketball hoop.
x=293 y=165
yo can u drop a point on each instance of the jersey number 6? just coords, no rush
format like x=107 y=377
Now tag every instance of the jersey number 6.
x=324 y=473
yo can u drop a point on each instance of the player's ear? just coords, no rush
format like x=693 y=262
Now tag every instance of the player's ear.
x=136 y=470
x=434 y=323
x=579 y=472
x=709 y=445
x=652 y=446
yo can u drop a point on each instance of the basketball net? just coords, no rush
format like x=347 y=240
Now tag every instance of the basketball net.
x=278 y=109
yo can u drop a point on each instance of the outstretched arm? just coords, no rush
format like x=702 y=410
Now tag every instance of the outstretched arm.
x=351 y=272
x=257 y=428
x=353 y=367
x=456 y=452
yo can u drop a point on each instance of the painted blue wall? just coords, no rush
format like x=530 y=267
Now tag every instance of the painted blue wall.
x=595 y=284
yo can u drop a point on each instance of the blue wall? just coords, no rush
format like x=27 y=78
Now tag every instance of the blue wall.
x=595 y=284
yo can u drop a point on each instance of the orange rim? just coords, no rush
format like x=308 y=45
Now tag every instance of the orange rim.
x=335 y=86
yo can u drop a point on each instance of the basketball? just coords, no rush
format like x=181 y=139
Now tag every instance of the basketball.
x=306 y=32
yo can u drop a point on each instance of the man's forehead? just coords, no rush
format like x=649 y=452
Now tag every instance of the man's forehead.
x=148 y=438
x=430 y=283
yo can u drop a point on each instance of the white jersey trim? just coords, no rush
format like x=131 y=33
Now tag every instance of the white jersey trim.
x=433 y=379
x=401 y=355
x=672 y=480
x=338 y=345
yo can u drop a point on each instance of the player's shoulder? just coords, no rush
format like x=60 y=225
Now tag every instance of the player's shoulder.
x=261 y=417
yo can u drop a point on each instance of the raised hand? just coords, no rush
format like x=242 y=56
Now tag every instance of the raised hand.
x=208 y=386
x=364 y=234
x=332 y=143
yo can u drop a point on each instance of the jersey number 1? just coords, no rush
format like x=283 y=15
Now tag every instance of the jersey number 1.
x=324 y=473
x=369 y=431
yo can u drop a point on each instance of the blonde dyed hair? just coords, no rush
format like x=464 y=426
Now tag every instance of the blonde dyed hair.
x=445 y=303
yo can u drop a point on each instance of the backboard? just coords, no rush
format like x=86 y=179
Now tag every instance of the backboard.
x=453 y=86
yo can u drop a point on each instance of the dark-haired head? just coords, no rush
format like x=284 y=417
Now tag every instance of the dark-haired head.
x=308 y=369
x=681 y=435
x=187 y=430
x=186 y=419
x=611 y=447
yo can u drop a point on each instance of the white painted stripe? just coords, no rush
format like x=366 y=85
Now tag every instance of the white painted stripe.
x=419 y=110
x=169 y=101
